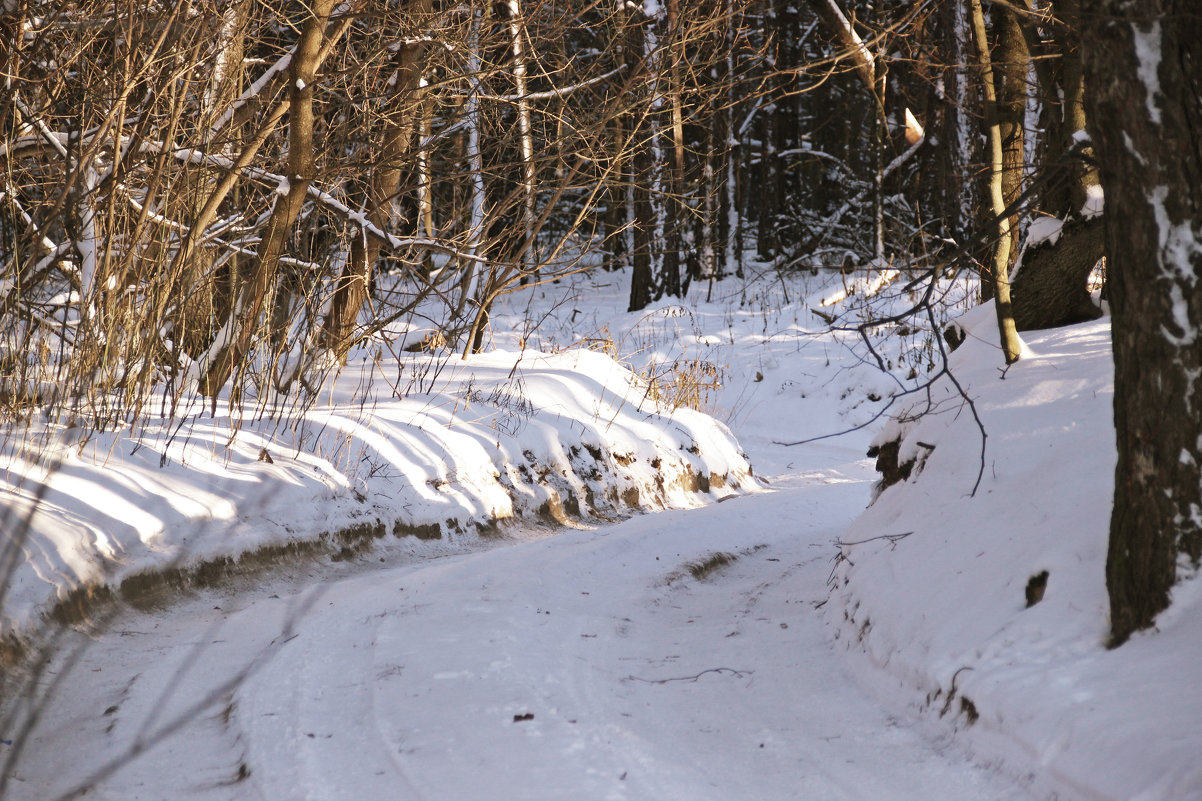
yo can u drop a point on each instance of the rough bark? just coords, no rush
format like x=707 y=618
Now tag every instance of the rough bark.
x=1051 y=288
x=1143 y=71
x=227 y=355
x=401 y=120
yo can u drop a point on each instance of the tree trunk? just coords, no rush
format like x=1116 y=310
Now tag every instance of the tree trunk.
x=728 y=161
x=1001 y=248
x=1051 y=288
x=767 y=207
x=644 y=286
x=1013 y=76
x=669 y=64
x=528 y=258
x=425 y=182
x=401 y=120
x=1062 y=88
x=233 y=343
x=208 y=293
x=1083 y=174
x=948 y=189
x=615 y=220
x=1143 y=72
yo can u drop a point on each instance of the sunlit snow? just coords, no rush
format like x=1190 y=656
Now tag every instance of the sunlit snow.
x=496 y=630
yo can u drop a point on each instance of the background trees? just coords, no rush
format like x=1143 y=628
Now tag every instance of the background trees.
x=202 y=199
x=227 y=197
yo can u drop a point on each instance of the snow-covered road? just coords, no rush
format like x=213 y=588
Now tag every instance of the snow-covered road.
x=592 y=664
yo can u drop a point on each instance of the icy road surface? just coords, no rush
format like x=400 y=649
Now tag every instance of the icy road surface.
x=591 y=664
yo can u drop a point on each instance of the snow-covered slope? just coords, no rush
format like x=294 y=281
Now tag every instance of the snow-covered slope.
x=470 y=445
x=990 y=610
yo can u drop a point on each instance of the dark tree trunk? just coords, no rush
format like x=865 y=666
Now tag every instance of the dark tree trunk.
x=951 y=188
x=1062 y=114
x=614 y=221
x=768 y=192
x=643 y=288
x=1145 y=117
x=1051 y=288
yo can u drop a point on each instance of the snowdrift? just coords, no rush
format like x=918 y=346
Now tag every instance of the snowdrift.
x=470 y=445
x=990 y=610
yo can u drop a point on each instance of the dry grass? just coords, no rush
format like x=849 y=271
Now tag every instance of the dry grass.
x=714 y=562
x=687 y=383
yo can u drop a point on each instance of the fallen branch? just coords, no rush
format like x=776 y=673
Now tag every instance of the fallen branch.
x=738 y=674
x=893 y=538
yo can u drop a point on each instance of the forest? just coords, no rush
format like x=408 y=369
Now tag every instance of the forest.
x=231 y=206
x=211 y=195
x=231 y=196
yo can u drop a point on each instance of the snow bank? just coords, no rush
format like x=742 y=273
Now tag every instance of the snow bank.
x=991 y=610
x=471 y=444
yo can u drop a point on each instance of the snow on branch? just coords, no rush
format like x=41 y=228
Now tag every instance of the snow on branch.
x=559 y=91
x=269 y=76
x=845 y=33
x=339 y=20
x=274 y=181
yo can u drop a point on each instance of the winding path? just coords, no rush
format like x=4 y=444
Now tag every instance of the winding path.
x=620 y=663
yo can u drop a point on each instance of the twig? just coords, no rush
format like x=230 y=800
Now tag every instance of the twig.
x=894 y=538
x=738 y=674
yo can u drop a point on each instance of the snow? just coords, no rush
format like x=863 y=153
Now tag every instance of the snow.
x=940 y=607
x=1095 y=202
x=1180 y=242
x=1180 y=250
x=1044 y=229
x=757 y=639
x=1147 y=51
x=473 y=442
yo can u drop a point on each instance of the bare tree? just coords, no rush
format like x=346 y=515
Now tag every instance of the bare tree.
x=1000 y=268
x=1144 y=98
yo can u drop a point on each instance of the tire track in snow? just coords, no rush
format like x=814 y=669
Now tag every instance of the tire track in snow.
x=565 y=668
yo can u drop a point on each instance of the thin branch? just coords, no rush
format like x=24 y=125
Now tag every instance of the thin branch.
x=738 y=674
